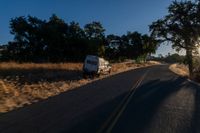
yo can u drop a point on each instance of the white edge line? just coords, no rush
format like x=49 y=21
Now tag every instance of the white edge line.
x=193 y=82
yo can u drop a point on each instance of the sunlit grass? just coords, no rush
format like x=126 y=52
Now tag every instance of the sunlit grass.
x=26 y=83
x=179 y=69
x=65 y=66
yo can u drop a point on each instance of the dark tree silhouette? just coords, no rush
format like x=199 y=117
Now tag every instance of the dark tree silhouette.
x=133 y=46
x=54 y=40
x=95 y=34
x=181 y=27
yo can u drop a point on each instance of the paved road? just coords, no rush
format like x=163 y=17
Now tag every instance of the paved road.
x=146 y=100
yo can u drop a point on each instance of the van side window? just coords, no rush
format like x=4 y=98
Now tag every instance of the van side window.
x=91 y=62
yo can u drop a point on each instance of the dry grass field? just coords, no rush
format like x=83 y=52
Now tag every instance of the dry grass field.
x=179 y=69
x=26 y=83
x=182 y=70
x=23 y=84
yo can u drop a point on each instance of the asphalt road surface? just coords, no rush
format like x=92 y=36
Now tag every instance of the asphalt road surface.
x=145 y=100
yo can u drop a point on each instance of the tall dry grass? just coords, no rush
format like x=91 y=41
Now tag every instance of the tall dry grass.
x=179 y=69
x=26 y=83
x=65 y=66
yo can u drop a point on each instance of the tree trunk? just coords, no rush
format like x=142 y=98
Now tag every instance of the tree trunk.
x=189 y=62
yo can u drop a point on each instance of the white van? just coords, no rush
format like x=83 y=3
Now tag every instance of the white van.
x=95 y=65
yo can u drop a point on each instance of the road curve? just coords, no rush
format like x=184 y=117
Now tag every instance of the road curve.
x=162 y=103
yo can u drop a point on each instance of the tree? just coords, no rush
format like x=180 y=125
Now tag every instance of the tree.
x=18 y=29
x=94 y=30
x=181 y=27
x=150 y=44
x=133 y=45
x=95 y=34
x=112 y=46
x=77 y=42
x=54 y=34
x=53 y=40
x=27 y=38
x=160 y=56
x=174 y=58
x=75 y=31
x=35 y=39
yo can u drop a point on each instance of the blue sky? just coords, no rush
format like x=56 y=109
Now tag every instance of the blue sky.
x=117 y=16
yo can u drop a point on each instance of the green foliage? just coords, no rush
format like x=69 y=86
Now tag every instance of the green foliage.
x=171 y=58
x=94 y=30
x=132 y=46
x=95 y=34
x=174 y=58
x=181 y=27
x=54 y=40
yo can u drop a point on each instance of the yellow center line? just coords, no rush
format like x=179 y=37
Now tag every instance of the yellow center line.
x=112 y=120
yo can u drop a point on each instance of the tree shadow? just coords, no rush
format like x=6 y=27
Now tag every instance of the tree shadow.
x=67 y=105
x=62 y=114
x=145 y=104
x=196 y=116
x=142 y=108
x=139 y=112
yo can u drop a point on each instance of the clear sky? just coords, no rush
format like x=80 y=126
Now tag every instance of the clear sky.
x=117 y=16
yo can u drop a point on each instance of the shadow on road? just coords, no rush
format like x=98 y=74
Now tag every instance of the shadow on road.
x=145 y=103
x=139 y=115
x=140 y=110
x=62 y=114
x=196 y=115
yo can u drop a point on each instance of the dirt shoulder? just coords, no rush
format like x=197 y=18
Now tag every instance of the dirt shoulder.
x=27 y=83
x=179 y=69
